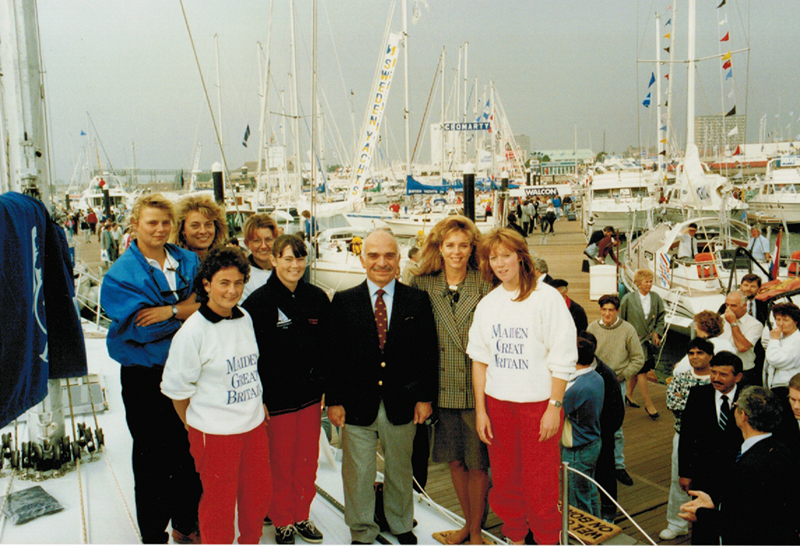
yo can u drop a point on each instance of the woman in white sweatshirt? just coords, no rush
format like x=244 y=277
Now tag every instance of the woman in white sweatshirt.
x=211 y=375
x=523 y=348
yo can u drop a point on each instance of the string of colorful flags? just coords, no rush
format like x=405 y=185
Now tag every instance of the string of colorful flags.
x=727 y=67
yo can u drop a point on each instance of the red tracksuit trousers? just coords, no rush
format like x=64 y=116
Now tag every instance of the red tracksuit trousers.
x=524 y=471
x=294 y=451
x=233 y=469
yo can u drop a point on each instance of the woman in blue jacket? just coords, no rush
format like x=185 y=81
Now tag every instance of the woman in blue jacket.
x=148 y=294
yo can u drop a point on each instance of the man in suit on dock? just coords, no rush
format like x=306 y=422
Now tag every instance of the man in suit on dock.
x=383 y=379
x=709 y=437
x=758 y=503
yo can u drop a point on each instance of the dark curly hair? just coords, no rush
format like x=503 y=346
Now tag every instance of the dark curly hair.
x=217 y=259
x=787 y=310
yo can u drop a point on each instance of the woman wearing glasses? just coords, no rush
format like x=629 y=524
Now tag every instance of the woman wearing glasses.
x=291 y=321
x=450 y=276
x=200 y=225
x=260 y=232
x=148 y=294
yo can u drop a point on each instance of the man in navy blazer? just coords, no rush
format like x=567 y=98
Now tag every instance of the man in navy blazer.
x=758 y=503
x=707 y=451
x=383 y=380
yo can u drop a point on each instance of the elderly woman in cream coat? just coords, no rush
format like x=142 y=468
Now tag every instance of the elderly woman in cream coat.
x=645 y=311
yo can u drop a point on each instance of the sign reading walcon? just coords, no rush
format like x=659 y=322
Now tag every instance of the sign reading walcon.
x=466 y=126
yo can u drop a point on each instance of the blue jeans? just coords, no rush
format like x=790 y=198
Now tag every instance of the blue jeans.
x=582 y=492
x=619 y=438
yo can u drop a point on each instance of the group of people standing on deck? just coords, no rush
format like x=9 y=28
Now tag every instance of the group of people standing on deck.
x=224 y=401
x=228 y=361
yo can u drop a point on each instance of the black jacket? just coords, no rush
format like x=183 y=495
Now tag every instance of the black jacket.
x=292 y=330
x=759 y=503
x=402 y=374
x=613 y=413
x=706 y=453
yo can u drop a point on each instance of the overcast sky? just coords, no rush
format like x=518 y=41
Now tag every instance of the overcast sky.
x=557 y=65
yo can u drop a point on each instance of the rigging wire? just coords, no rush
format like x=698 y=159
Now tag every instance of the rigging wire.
x=102 y=146
x=344 y=87
x=227 y=176
x=427 y=108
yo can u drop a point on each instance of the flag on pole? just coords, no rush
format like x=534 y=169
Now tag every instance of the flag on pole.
x=667 y=35
x=646 y=101
x=664 y=270
x=669 y=22
x=83 y=133
x=732 y=112
x=727 y=56
x=652 y=79
x=776 y=257
x=726 y=37
x=246 y=136
x=734 y=131
x=416 y=14
x=724 y=20
x=722 y=4
x=729 y=75
x=738 y=151
x=727 y=65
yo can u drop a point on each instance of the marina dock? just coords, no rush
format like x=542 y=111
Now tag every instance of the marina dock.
x=648 y=443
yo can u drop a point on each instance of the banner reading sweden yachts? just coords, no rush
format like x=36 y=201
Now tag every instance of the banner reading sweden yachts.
x=372 y=121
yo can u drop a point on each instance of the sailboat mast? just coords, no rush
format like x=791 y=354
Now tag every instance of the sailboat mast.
x=262 y=122
x=660 y=146
x=406 y=112
x=673 y=23
x=463 y=134
x=692 y=27
x=314 y=136
x=441 y=123
x=296 y=187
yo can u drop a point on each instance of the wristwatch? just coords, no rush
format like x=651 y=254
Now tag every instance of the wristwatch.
x=556 y=403
x=174 y=311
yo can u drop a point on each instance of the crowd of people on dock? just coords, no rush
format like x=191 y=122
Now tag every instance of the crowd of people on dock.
x=231 y=359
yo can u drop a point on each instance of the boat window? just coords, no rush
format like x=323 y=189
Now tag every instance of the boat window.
x=787 y=188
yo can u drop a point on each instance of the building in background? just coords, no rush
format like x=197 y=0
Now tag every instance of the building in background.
x=718 y=136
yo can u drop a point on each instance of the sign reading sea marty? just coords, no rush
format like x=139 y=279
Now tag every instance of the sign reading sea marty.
x=372 y=121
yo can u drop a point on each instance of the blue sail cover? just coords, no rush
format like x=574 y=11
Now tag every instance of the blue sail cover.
x=414 y=187
x=34 y=269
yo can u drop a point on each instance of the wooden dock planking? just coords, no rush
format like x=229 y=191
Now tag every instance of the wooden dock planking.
x=648 y=445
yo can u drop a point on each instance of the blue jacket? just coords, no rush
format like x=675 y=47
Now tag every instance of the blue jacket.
x=132 y=285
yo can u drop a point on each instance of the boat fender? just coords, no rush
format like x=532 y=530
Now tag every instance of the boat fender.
x=357 y=245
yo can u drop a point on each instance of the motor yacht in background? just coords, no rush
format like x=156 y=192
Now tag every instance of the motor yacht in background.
x=777 y=194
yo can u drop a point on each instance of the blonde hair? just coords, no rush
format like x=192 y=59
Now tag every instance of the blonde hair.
x=513 y=241
x=431 y=260
x=208 y=208
x=642 y=275
x=155 y=201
